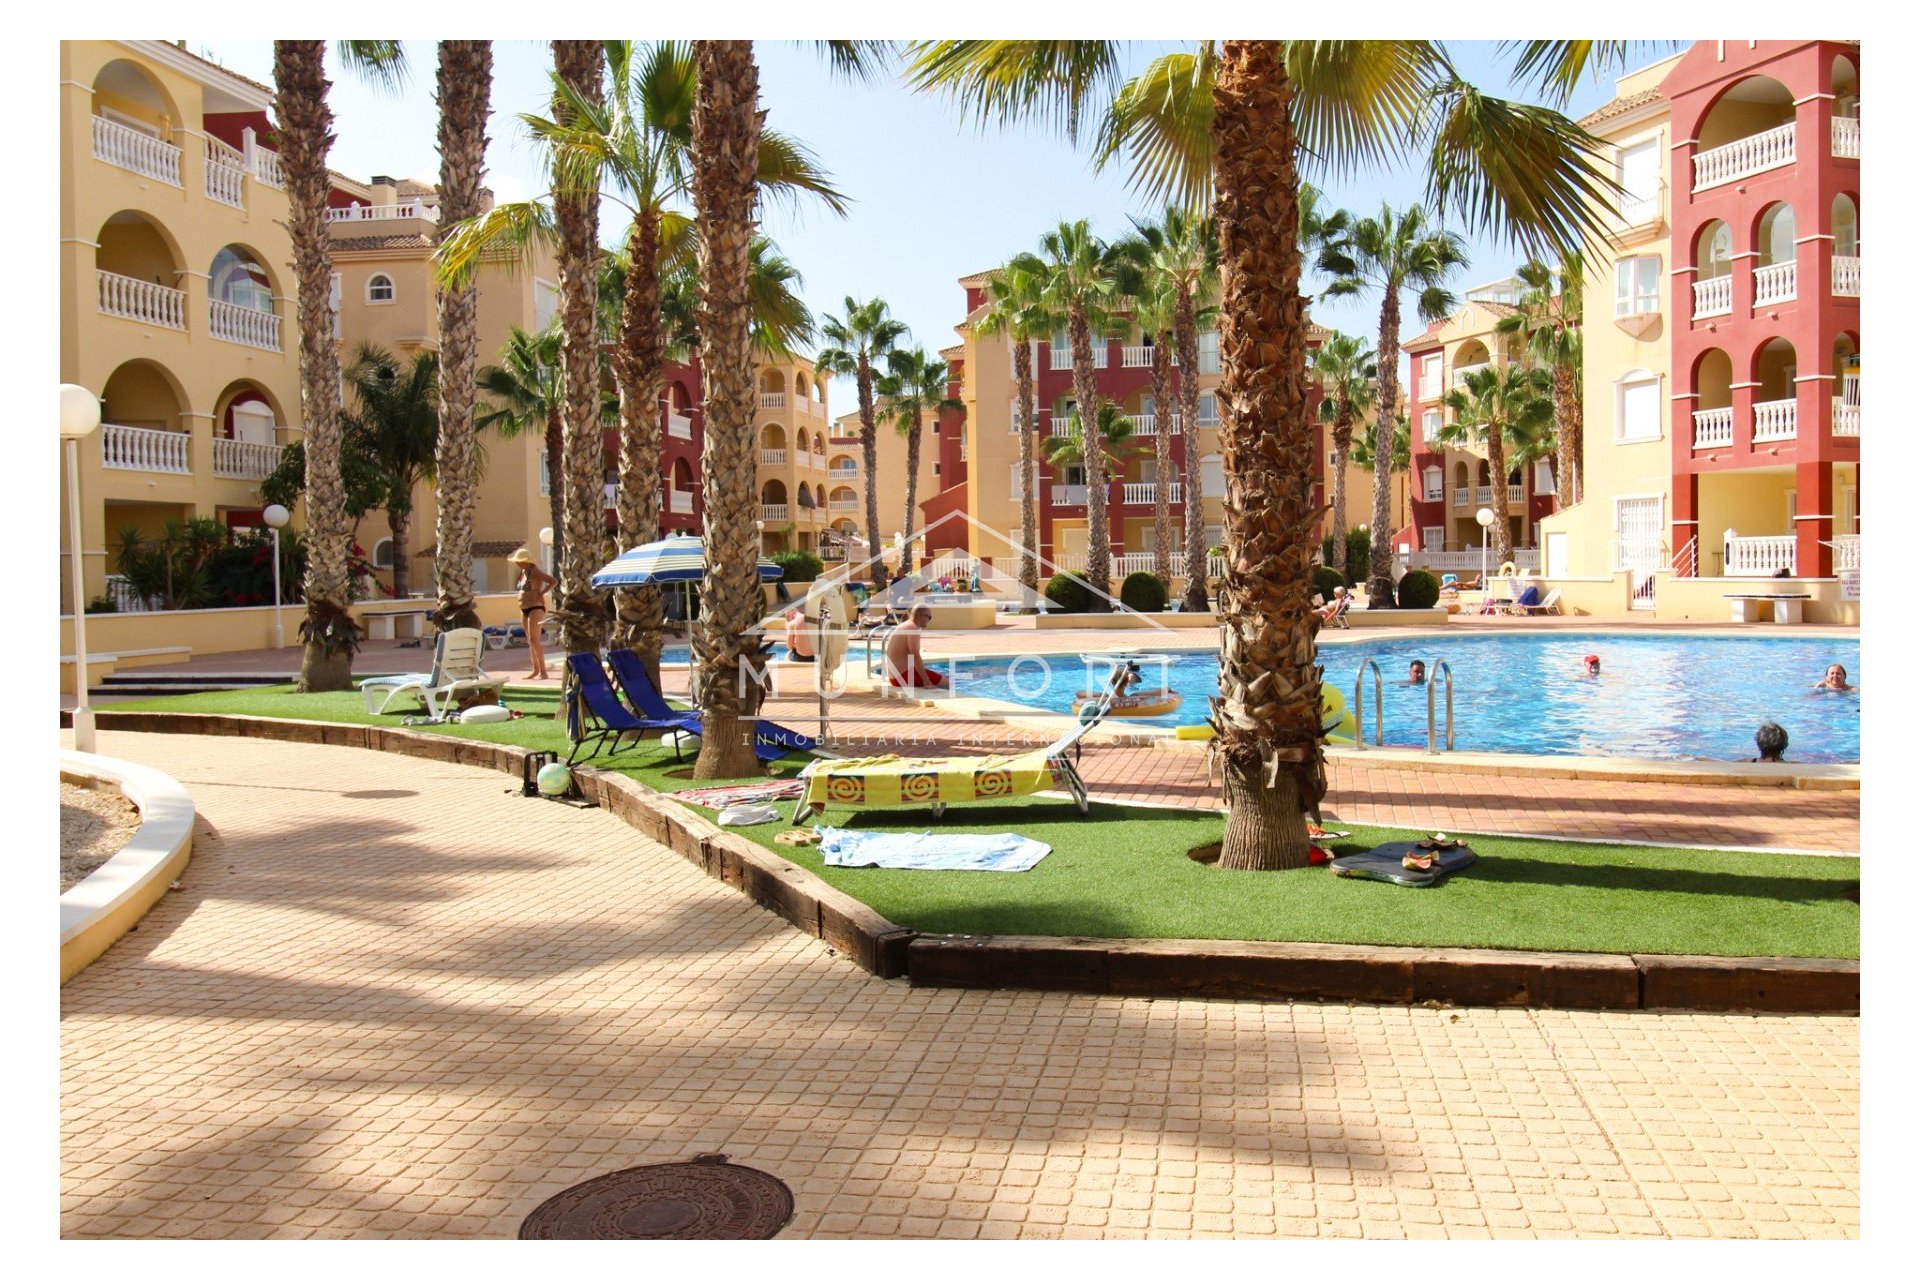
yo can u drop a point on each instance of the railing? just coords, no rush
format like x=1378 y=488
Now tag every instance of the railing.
x=1142 y=494
x=226 y=174
x=1761 y=557
x=244 y=459
x=773 y=511
x=1846 y=418
x=1360 y=707
x=773 y=457
x=1062 y=426
x=1776 y=283
x=136 y=151
x=125 y=598
x=1460 y=372
x=1750 y=155
x=266 y=167
x=680 y=501
x=1483 y=493
x=1516 y=493
x=680 y=426
x=1147 y=424
x=140 y=300
x=773 y=399
x=1440 y=669
x=1637 y=208
x=1069 y=495
x=1061 y=358
x=1775 y=420
x=243 y=325
x=1846 y=137
x=843 y=504
x=1713 y=297
x=1846 y=275
x=1686 y=562
x=1846 y=552
x=143 y=449
x=1713 y=428
x=844 y=473
x=1142 y=358
x=1522 y=557
x=384 y=212
x=1461 y=498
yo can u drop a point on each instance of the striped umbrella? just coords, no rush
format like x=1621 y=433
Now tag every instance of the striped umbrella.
x=681 y=558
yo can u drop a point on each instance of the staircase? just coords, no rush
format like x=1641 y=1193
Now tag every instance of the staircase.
x=123 y=686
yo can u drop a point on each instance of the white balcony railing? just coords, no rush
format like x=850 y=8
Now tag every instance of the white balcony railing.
x=1776 y=283
x=1713 y=297
x=266 y=167
x=226 y=174
x=1460 y=372
x=1846 y=552
x=1061 y=358
x=1750 y=155
x=1148 y=424
x=1640 y=207
x=142 y=300
x=1522 y=557
x=680 y=426
x=244 y=459
x=1069 y=495
x=1761 y=557
x=680 y=501
x=243 y=325
x=1846 y=275
x=1141 y=495
x=143 y=449
x=1062 y=425
x=1846 y=137
x=136 y=151
x=384 y=212
x=1846 y=418
x=843 y=504
x=1713 y=428
x=773 y=457
x=773 y=399
x=773 y=511
x=1461 y=498
x=1483 y=494
x=1516 y=493
x=1141 y=357
x=1774 y=420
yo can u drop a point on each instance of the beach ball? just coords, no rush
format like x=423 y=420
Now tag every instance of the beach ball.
x=554 y=779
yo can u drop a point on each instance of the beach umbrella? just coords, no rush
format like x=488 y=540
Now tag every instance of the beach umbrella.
x=681 y=558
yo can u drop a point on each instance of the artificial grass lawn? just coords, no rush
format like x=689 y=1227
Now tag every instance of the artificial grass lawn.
x=1123 y=872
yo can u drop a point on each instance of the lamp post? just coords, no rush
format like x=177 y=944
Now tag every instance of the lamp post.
x=276 y=517
x=1485 y=516
x=546 y=549
x=79 y=418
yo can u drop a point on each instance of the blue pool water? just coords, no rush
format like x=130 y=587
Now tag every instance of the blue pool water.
x=1657 y=697
x=681 y=654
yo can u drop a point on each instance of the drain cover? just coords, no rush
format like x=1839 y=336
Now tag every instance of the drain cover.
x=703 y=1199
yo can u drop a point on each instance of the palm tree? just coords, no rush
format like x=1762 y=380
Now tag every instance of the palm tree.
x=1014 y=311
x=1224 y=124
x=1079 y=277
x=1113 y=439
x=1393 y=252
x=304 y=127
x=1345 y=369
x=857 y=340
x=1399 y=462
x=396 y=427
x=1493 y=409
x=1548 y=326
x=528 y=395
x=464 y=91
x=915 y=385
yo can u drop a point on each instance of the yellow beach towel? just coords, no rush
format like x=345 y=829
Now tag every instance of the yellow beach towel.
x=903 y=780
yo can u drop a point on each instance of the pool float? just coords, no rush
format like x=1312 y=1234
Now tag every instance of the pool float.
x=1335 y=721
x=1152 y=702
x=1507 y=569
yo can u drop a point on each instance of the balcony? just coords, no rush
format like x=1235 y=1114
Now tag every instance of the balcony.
x=144 y=449
x=774 y=511
x=136 y=151
x=1775 y=420
x=1772 y=149
x=266 y=167
x=244 y=459
x=1060 y=359
x=843 y=504
x=1846 y=552
x=1461 y=371
x=1062 y=425
x=845 y=473
x=1713 y=297
x=226 y=174
x=1141 y=495
x=1640 y=208
x=1142 y=358
x=1846 y=137
x=1846 y=276
x=1776 y=283
x=1761 y=557
x=773 y=457
x=385 y=212
x=1462 y=499
x=680 y=426
x=131 y=299
x=680 y=502
x=773 y=399
x=243 y=325
x=1148 y=424
x=1713 y=428
x=1846 y=418
x=1069 y=495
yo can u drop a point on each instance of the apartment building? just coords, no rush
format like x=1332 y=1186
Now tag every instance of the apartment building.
x=847 y=492
x=176 y=291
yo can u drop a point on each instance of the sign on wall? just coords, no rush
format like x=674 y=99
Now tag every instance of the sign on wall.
x=1849 y=584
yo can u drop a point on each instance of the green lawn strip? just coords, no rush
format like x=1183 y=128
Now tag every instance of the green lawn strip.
x=1122 y=872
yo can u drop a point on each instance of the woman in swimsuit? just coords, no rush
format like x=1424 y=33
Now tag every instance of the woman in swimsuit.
x=533 y=586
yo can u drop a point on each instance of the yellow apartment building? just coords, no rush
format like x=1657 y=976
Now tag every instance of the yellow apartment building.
x=847 y=492
x=796 y=469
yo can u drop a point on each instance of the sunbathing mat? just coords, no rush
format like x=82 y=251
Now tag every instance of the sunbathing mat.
x=1385 y=863
x=927 y=851
x=896 y=780
x=721 y=797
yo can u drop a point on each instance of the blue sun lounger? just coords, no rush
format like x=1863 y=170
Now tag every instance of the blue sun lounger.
x=596 y=715
x=771 y=741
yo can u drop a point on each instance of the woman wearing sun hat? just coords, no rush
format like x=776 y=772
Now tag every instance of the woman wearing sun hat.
x=533 y=586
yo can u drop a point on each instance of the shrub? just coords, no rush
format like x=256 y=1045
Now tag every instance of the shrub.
x=1419 y=590
x=1330 y=553
x=1143 y=593
x=1359 y=550
x=1069 y=593
x=102 y=604
x=798 y=566
x=1325 y=580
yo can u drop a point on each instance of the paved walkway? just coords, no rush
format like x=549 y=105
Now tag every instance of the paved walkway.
x=392 y=999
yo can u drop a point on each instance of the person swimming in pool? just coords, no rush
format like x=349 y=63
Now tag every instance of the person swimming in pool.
x=1417 y=672
x=1593 y=664
x=1771 y=741
x=1835 y=681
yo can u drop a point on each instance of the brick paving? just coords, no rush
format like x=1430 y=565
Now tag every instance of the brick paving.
x=391 y=999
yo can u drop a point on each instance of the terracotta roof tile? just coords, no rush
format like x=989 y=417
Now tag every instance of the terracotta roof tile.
x=1620 y=107
x=351 y=243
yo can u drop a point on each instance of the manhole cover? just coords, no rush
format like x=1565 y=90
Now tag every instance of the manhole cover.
x=703 y=1199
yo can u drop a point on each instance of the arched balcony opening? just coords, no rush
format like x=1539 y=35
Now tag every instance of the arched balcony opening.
x=1469 y=357
x=134 y=121
x=1846 y=386
x=773 y=445
x=773 y=501
x=1776 y=270
x=1845 y=268
x=245 y=432
x=680 y=494
x=143 y=420
x=1713 y=270
x=1775 y=416
x=773 y=389
x=1748 y=130
x=1713 y=400
x=240 y=293
x=138 y=267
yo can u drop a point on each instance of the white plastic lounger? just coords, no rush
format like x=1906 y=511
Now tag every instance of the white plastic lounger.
x=456 y=670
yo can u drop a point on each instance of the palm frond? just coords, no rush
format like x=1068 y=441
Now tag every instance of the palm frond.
x=788 y=170
x=1162 y=120
x=381 y=63
x=507 y=234
x=1360 y=100
x=858 y=60
x=1555 y=67
x=1051 y=82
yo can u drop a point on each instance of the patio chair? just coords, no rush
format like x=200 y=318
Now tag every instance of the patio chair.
x=456 y=671
x=1338 y=618
x=770 y=741
x=596 y=715
x=1549 y=605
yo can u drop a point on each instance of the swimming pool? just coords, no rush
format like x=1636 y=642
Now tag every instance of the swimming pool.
x=1657 y=697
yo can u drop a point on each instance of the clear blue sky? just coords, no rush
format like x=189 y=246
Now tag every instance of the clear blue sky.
x=931 y=201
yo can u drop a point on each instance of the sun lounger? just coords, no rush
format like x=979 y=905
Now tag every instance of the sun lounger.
x=596 y=715
x=456 y=672
x=770 y=741
x=1549 y=605
x=1338 y=618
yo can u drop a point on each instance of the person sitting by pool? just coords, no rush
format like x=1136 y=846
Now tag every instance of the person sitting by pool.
x=1593 y=664
x=1771 y=739
x=799 y=637
x=1835 y=681
x=1332 y=606
x=905 y=669
x=1417 y=672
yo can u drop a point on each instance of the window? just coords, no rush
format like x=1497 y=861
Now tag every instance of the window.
x=1213 y=477
x=1432 y=478
x=1433 y=539
x=1640 y=176
x=1013 y=479
x=379 y=288
x=936 y=468
x=1210 y=351
x=1543 y=477
x=1637 y=407
x=383 y=554
x=963 y=446
x=1209 y=410
x=546 y=302
x=1215 y=535
x=1429 y=425
x=1636 y=286
x=1430 y=377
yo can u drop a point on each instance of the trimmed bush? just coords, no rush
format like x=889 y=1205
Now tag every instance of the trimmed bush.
x=1330 y=553
x=1143 y=593
x=1069 y=593
x=798 y=566
x=1325 y=580
x=1359 y=550
x=1419 y=590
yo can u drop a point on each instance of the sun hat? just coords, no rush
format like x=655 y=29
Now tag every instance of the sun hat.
x=521 y=556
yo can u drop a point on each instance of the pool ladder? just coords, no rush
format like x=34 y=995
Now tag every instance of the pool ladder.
x=1379 y=720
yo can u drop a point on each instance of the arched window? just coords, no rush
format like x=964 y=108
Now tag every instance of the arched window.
x=1776 y=235
x=1636 y=406
x=238 y=278
x=383 y=554
x=379 y=287
x=1846 y=227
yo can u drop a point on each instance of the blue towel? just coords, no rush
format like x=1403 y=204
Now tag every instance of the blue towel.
x=925 y=851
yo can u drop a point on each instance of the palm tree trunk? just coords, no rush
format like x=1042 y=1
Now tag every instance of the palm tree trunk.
x=639 y=367
x=913 y=477
x=465 y=89
x=556 y=489
x=1187 y=334
x=1268 y=717
x=580 y=609
x=1342 y=441
x=399 y=523
x=1497 y=493
x=869 y=460
x=1380 y=536
x=1566 y=412
x=1028 y=437
x=1093 y=457
x=726 y=150
x=1162 y=457
x=305 y=127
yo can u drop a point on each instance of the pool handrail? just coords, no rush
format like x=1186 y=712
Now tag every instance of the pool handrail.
x=1433 y=678
x=1360 y=708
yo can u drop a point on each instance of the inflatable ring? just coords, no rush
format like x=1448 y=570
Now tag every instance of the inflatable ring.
x=1507 y=570
x=1194 y=732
